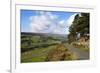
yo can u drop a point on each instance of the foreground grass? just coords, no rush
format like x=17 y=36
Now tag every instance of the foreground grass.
x=37 y=55
x=61 y=53
x=50 y=53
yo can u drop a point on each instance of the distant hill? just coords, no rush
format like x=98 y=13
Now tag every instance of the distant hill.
x=43 y=34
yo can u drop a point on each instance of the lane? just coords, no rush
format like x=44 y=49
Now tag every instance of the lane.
x=83 y=55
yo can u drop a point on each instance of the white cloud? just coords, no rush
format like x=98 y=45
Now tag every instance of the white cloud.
x=42 y=23
x=62 y=21
x=70 y=20
x=46 y=22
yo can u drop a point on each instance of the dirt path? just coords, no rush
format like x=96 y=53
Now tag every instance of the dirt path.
x=83 y=55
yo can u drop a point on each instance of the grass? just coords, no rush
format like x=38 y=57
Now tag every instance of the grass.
x=37 y=55
x=72 y=56
x=53 y=53
x=61 y=53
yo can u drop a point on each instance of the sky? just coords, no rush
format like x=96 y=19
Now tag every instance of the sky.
x=55 y=22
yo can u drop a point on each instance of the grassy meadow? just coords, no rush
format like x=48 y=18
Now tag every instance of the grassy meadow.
x=44 y=47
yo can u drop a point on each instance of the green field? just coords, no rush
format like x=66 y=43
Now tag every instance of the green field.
x=41 y=48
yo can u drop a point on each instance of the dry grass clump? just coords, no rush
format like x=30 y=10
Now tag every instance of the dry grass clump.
x=60 y=53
